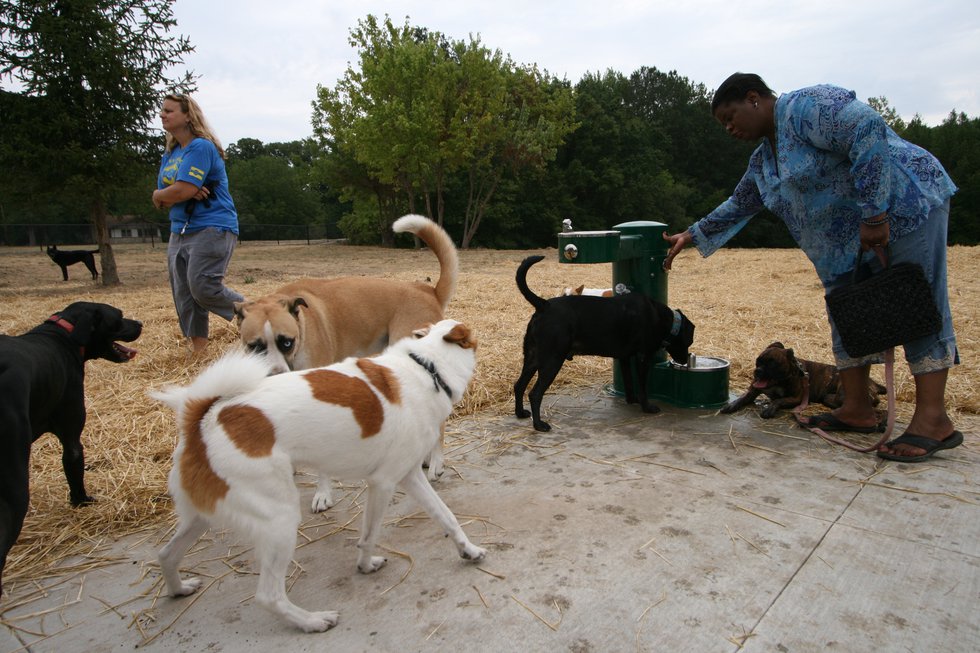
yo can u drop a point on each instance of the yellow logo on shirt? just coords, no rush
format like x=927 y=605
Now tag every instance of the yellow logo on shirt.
x=196 y=173
x=169 y=174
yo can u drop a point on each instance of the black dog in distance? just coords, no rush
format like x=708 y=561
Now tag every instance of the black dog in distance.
x=66 y=257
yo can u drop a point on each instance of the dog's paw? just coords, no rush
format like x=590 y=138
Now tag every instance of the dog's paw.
x=373 y=564
x=78 y=502
x=188 y=587
x=322 y=501
x=522 y=413
x=650 y=408
x=472 y=552
x=769 y=411
x=318 y=622
x=542 y=426
x=435 y=468
x=730 y=407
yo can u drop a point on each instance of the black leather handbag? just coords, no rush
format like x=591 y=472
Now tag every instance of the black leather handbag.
x=879 y=311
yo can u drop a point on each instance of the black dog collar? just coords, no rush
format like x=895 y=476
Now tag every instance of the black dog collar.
x=437 y=381
x=675 y=329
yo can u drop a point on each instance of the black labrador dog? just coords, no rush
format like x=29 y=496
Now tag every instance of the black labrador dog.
x=631 y=328
x=66 y=257
x=41 y=382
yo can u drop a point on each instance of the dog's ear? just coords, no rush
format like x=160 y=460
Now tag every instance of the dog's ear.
x=239 y=312
x=777 y=345
x=461 y=335
x=294 y=305
x=83 y=323
x=790 y=354
x=579 y=290
x=422 y=332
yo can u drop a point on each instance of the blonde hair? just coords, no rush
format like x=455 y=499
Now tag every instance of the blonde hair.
x=198 y=124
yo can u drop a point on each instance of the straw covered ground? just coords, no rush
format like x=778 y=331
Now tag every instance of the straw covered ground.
x=740 y=300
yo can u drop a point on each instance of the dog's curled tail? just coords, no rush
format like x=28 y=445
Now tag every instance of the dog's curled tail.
x=234 y=374
x=441 y=244
x=536 y=302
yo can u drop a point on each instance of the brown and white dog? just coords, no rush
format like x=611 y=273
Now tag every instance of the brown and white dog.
x=242 y=431
x=588 y=292
x=316 y=322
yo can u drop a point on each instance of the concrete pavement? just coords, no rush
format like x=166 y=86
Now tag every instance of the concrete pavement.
x=617 y=531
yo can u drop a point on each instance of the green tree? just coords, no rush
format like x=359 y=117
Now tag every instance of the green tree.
x=518 y=136
x=623 y=163
x=956 y=143
x=888 y=112
x=381 y=118
x=268 y=190
x=88 y=77
x=422 y=108
x=244 y=149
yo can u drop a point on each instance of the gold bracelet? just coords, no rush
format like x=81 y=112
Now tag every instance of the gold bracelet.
x=875 y=223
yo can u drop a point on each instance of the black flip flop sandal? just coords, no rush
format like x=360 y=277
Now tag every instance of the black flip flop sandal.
x=827 y=422
x=931 y=446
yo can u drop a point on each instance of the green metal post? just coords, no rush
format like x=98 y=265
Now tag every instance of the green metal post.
x=639 y=268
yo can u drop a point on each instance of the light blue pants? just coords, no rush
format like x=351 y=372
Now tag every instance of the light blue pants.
x=927 y=247
x=197 y=263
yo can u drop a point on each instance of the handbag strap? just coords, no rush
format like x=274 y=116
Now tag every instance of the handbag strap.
x=889 y=423
x=883 y=254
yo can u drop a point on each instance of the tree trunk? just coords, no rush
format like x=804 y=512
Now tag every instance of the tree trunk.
x=110 y=276
x=387 y=235
x=476 y=206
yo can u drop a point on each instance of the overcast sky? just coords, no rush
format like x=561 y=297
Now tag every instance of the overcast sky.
x=260 y=61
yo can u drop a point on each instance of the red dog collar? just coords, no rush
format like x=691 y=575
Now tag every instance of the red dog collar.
x=67 y=326
x=62 y=322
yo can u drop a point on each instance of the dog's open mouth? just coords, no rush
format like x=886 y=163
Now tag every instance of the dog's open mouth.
x=124 y=352
x=760 y=384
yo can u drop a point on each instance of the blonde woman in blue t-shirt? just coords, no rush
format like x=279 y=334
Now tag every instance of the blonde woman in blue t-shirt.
x=842 y=180
x=193 y=184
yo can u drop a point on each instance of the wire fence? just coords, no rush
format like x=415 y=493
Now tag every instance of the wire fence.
x=39 y=235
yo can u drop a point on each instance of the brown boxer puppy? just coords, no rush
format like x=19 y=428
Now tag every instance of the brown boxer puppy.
x=779 y=375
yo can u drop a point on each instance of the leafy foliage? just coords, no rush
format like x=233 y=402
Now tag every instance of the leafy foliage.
x=498 y=152
x=422 y=109
x=88 y=76
x=956 y=143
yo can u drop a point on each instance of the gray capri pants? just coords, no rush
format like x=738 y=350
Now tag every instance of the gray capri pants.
x=197 y=263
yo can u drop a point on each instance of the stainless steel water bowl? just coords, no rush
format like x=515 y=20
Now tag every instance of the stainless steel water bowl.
x=697 y=363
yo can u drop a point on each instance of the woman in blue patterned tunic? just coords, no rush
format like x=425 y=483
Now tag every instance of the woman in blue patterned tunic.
x=830 y=168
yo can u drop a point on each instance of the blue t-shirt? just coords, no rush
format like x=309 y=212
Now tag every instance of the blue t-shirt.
x=199 y=163
x=837 y=162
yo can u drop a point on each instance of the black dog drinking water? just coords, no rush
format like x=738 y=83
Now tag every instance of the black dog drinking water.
x=631 y=328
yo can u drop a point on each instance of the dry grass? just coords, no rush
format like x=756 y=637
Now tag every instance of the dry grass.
x=740 y=300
